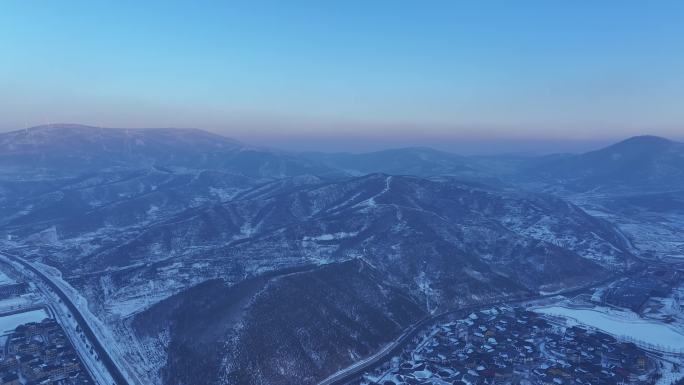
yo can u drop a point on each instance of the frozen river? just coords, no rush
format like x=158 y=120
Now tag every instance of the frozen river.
x=624 y=324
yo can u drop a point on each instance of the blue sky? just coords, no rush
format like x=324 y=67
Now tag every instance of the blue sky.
x=350 y=74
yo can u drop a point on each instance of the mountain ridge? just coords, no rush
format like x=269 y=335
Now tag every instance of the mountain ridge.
x=70 y=150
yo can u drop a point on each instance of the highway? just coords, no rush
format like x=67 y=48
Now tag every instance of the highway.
x=342 y=377
x=356 y=370
x=116 y=374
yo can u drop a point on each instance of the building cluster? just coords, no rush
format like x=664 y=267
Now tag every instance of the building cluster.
x=655 y=281
x=514 y=346
x=39 y=353
x=13 y=289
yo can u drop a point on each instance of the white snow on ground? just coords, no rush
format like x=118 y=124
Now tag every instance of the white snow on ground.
x=15 y=303
x=68 y=323
x=224 y=194
x=424 y=287
x=330 y=237
x=103 y=333
x=247 y=230
x=4 y=279
x=670 y=375
x=82 y=346
x=654 y=232
x=10 y=322
x=670 y=308
x=598 y=294
x=317 y=251
x=370 y=202
x=660 y=237
x=623 y=324
x=590 y=246
x=124 y=302
x=342 y=372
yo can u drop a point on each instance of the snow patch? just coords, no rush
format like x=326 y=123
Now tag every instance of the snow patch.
x=623 y=324
x=10 y=322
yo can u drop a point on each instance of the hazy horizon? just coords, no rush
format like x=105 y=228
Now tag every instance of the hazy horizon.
x=349 y=144
x=342 y=192
x=529 y=76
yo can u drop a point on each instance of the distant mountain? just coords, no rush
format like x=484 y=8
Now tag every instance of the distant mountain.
x=418 y=161
x=64 y=139
x=112 y=200
x=645 y=162
x=64 y=149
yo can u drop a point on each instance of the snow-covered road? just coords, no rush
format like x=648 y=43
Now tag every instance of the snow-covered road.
x=103 y=368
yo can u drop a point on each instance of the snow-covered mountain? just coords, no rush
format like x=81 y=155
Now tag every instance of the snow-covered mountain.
x=334 y=255
x=382 y=218
x=67 y=149
x=293 y=326
x=641 y=162
x=465 y=234
x=438 y=242
x=418 y=161
x=637 y=184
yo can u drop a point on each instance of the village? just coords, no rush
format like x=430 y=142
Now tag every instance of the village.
x=40 y=353
x=635 y=292
x=514 y=346
x=34 y=348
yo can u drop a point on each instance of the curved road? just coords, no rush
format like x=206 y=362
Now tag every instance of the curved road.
x=343 y=377
x=357 y=369
x=116 y=374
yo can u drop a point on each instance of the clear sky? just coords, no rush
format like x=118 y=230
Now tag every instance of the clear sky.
x=351 y=75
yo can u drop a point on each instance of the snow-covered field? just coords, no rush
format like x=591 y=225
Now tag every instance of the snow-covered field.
x=667 y=308
x=4 y=279
x=15 y=303
x=654 y=233
x=9 y=322
x=623 y=324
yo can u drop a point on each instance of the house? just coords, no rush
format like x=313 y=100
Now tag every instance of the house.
x=11 y=379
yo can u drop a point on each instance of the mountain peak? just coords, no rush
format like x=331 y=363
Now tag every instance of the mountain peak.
x=637 y=147
x=82 y=129
x=84 y=138
x=61 y=126
x=645 y=140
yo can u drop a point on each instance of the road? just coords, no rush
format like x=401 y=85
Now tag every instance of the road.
x=357 y=369
x=342 y=377
x=102 y=353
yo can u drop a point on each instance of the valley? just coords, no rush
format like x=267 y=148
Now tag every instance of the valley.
x=184 y=255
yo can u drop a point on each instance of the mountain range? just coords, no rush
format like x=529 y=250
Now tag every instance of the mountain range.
x=199 y=251
x=67 y=149
x=646 y=162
